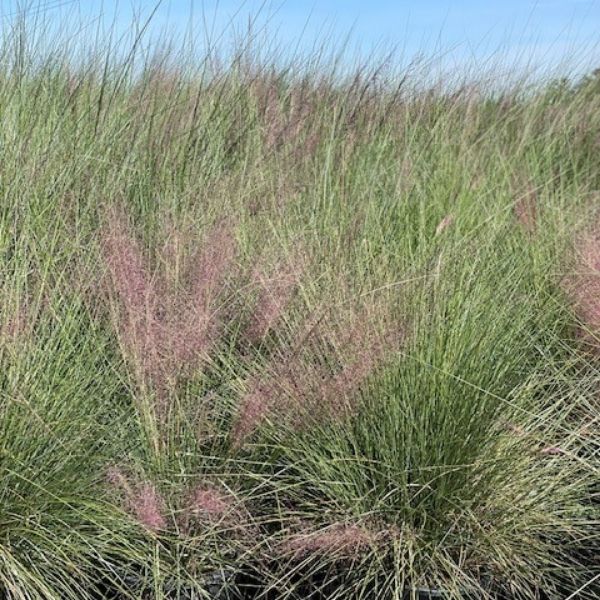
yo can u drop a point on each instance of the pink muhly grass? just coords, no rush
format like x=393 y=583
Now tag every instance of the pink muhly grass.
x=275 y=293
x=206 y=504
x=255 y=406
x=211 y=266
x=189 y=338
x=339 y=540
x=337 y=393
x=362 y=349
x=302 y=386
x=139 y=304
x=142 y=501
x=209 y=502
x=166 y=334
x=195 y=325
x=127 y=267
x=288 y=389
x=19 y=317
x=147 y=507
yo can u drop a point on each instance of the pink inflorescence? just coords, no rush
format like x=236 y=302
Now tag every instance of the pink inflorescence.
x=255 y=406
x=143 y=500
x=339 y=539
x=194 y=327
x=139 y=316
x=211 y=265
x=165 y=334
x=147 y=506
x=209 y=502
x=275 y=293
x=320 y=380
x=353 y=374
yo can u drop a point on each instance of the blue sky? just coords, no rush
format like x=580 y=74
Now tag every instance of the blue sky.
x=536 y=31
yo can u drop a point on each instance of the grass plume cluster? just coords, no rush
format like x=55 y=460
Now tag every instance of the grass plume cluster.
x=292 y=332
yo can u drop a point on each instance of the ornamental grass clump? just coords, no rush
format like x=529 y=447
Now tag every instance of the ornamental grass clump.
x=60 y=535
x=314 y=320
x=453 y=498
x=316 y=374
x=171 y=320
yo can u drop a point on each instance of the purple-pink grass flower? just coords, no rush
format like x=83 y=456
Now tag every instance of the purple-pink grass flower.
x=209 y=502
x=139 y=311
x=166 y=334
x=142 y=500
x=147 y=507
x=275 y=292
x=338 y=540
x=211 y=265
x=254 y=407
x=317 y=379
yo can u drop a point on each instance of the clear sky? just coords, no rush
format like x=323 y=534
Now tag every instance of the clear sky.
x=538 y=31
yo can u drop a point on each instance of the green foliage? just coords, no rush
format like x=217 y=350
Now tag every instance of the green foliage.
x=448 y=213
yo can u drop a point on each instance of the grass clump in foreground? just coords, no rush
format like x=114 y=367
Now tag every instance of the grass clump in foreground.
x=324 y=334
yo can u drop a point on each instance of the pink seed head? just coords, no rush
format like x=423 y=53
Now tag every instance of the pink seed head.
x=339 y=539
x=255 y=406
x=147 y=507
x=584 y=284
x=142 y=501
x=188 y=339
x=318 y=378
x=127 y=268
x=275 y=293
x=211 y=266
x=590 y=253
x=165 y=333
x=139 y=307
x=210 y=502
x=193 y=323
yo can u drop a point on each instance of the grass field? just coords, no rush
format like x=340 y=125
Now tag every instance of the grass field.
x=293 y=331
